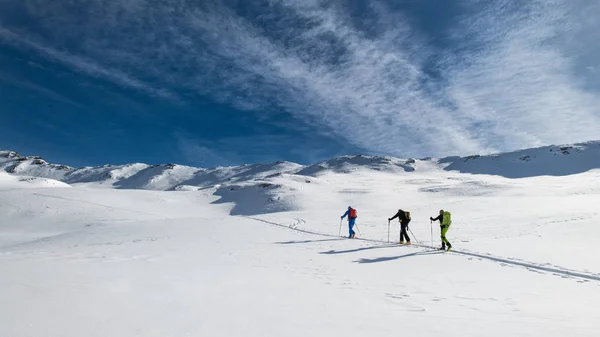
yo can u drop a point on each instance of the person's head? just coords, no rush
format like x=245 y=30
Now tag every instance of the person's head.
x=349 y=207
x=441 y=211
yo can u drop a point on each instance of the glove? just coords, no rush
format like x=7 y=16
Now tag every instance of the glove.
x=341 y=217
x=389 y=219
x=430 y=219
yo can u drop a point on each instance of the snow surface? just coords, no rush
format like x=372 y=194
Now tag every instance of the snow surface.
x=8 y=181
x=255 y=250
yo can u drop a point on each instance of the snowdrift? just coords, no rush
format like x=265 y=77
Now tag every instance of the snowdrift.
x=8 y=181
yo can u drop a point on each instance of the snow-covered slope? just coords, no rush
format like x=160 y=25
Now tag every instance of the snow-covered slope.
x=141 y=176
x=255 y=250
x=8 y=181
x=551 y=160
x=87 y=261
x=348 y=164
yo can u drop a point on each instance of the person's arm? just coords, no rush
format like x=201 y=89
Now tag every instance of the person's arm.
x=439 y=218
x=346 y=214
x=394 y=217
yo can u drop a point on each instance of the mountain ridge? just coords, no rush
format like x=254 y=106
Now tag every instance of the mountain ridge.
x=548 y=160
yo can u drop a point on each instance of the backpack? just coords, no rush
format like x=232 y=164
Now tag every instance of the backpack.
x=407 y=214
x=446 y=219
x=352 y=214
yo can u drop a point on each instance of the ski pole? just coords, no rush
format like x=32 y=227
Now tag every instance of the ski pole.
x=413 y=234
x=388 y=231
x=340 y=227
x=355 y=225
x=431 y=225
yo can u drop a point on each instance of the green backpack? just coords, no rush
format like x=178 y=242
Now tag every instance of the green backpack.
x=446 y=219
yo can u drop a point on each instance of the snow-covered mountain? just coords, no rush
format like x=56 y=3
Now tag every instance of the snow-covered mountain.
x=280 y=186
x=141 y=176
x=549 y=160
x=256 y=250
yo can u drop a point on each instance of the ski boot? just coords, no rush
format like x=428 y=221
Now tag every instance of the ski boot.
x=401 y=242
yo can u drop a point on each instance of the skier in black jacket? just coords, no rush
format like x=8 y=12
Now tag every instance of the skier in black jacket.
x=404 y=218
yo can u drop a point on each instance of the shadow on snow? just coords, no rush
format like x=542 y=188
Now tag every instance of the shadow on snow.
x=307 y=241
x=334 y=252
x=391 y=258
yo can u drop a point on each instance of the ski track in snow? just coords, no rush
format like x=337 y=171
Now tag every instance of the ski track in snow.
x=99 y=205
x=532 y=266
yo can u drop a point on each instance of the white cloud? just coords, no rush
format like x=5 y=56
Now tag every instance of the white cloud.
x=520 y=84
x=372 y=97
x=512 y=85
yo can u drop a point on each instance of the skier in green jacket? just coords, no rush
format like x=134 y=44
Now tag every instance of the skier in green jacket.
x=445 y=222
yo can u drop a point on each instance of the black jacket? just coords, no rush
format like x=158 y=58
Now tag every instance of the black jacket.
x=402 y=216
x=439 y=218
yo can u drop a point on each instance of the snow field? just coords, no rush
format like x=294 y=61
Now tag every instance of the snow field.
x=83 y=261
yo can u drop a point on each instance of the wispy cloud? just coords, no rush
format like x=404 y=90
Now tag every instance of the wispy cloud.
x=519 y=88
x=198 y=153
x=82 y=64
x=260 y=148
x=508 y=82
x=29 y=85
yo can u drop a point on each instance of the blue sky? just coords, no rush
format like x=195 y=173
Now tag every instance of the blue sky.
x=227 y=82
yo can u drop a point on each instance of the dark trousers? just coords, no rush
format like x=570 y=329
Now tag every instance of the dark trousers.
x=403 y=233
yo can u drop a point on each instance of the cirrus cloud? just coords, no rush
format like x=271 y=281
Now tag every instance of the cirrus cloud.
x=505 y=78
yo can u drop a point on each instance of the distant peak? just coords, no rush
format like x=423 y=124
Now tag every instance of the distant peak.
x=547 y=160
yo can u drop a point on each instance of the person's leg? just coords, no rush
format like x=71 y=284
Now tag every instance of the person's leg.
x=444 y=239
x=401 y=238
x=444 y=229
x=404 y=234
x=350 y=227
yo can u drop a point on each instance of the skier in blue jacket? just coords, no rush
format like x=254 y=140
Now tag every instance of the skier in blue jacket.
x=351 y=214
